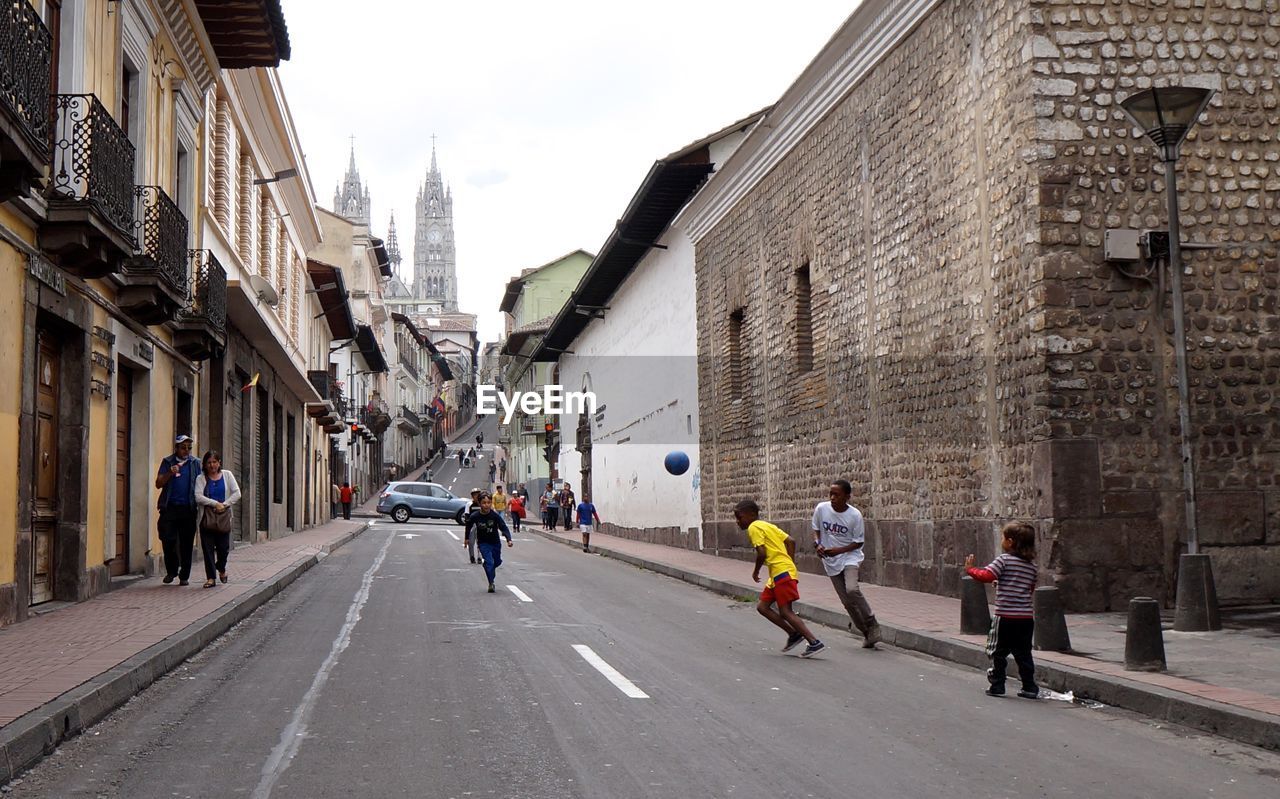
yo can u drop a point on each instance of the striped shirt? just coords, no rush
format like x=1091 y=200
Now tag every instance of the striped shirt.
x=1015 y=579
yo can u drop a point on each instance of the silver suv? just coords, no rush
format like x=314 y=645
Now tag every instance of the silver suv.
x=403 y=501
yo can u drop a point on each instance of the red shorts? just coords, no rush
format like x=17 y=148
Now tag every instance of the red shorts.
x=784 y=591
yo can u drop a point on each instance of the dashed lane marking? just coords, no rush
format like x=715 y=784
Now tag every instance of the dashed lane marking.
x=521 y=595
x=610 y=673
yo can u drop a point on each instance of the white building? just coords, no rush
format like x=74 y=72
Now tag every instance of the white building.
x=628 y=334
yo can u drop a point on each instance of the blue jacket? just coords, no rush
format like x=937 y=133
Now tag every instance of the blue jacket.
x=192 y=463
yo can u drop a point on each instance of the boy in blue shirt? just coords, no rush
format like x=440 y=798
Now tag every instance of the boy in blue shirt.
x=586 y=514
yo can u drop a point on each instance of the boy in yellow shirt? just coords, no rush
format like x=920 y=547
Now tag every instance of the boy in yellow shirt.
x=777 y=550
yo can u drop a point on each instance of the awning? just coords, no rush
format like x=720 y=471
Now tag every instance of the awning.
x=380 y=256
x=245 y=33
x=368 y=344
x=331 y=291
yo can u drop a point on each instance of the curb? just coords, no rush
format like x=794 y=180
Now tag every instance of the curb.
x=30 y=738
x=1237 y=723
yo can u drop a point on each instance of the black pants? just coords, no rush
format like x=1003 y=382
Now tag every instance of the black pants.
x=214 y=547
x=178 y=538
x=346 y=510
x=1012 y=636
x=553 y=515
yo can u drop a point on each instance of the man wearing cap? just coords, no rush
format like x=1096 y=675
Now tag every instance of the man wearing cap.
x=176 y=480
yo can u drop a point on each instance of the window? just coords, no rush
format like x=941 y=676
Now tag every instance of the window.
x=182 y=180
x=803 y=321
x=182 y=412
x=131 y=115
x=736 y=376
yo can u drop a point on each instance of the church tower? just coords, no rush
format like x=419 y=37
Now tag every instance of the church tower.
x=435 y=273
x=393 y=246
x=351 y=199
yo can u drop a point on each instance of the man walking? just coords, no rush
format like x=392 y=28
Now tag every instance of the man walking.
x=176 y=480
x=839 y=533
x=345 y=495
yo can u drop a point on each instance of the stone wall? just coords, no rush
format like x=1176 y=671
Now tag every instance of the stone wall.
x=976 y=359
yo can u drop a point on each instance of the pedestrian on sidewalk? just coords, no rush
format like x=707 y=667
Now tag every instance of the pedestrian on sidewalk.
x=335 y=500
x=486 y=523
x=777 y=550
x=567 y=503
x=216 y=491
x=838 y=535
x=176 y=480
x=345 y=495
x=1014 y=573
x=586 y=515
x=493 y=471
x=500 y=499
x=524 y=494
x=553 y=509
x=516 y=505
x=467 y=539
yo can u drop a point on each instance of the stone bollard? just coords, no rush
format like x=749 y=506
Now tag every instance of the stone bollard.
x=1051 y=622
x=1196 y=606
x=1143 y=638
x=975 y=617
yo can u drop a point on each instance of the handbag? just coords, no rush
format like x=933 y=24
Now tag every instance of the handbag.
x=215 y=522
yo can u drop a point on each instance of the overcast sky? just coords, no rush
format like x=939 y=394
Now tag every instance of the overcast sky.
x=548 y=114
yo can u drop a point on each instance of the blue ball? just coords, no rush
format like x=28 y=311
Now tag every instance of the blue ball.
x=676 y=462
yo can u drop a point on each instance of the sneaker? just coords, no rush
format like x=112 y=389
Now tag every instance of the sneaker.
x=473 y=559
x=184 y=582
x=222 y=576
x=995 y=690
x=168 y=578
x=585 y=549
x=813 y=649
x=793 y=640
x=873 y=635
x=1025 y=694
x=492 y=589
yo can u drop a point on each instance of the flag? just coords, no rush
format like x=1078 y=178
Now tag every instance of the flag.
x=437 y=405
x=252 y=382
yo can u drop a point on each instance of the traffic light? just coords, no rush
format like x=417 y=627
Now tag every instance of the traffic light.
x=352 y=440
x=549 y=450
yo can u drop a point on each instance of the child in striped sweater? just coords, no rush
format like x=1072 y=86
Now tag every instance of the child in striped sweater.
x=1014 y=573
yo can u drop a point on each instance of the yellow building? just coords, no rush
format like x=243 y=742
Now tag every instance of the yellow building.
x=110 y=304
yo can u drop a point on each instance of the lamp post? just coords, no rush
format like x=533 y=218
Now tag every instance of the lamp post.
x=1165 y=116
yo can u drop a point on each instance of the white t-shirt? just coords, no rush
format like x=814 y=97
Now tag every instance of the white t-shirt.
x=839 y=530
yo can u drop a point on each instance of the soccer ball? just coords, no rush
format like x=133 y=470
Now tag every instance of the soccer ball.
x=676 y=462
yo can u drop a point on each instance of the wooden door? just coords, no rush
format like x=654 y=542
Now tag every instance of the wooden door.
x=124 y=413
x=44 y=522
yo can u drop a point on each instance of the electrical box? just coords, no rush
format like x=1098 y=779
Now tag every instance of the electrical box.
x=1122 y=244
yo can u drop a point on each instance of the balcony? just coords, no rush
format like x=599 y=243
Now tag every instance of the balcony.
x=409 y=421
x=409 y=366
x=26 y=53
x=89 y=229
x=200 y=331
x=154 y=281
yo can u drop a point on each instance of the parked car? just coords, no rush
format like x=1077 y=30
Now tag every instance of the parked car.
x=403 y=501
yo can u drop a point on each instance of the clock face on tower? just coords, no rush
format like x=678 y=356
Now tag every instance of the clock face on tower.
x=434 y=237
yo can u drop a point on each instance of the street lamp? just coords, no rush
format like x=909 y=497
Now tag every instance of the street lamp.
x=1166 y=115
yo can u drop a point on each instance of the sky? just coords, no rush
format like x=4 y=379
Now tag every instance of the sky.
x=547 y=115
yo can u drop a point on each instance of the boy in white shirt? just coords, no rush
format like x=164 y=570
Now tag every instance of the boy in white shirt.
x=838 y=534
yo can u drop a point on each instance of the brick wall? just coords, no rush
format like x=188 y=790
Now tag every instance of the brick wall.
x=976 y=360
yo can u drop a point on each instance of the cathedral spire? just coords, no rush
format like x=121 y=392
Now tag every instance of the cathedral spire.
x=351 y=199
x=393 y=245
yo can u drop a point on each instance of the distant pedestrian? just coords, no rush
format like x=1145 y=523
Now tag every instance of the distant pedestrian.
x=493 y=471
x=553 y=508
x=777 y=550
x=1014 y=573
x=516 y=506
x=524 y=493
x=839 y=534
x=216 y=491
x=586 y=515
x=567 y=503
x=335 y=500
x=345 y=496
x=485 y=523
x=466 y=527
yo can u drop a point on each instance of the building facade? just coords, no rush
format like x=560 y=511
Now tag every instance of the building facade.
x=931 y=315
x=435 y=257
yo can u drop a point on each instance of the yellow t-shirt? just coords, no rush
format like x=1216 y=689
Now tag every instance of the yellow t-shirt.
x=774 y=541
x=500 y=502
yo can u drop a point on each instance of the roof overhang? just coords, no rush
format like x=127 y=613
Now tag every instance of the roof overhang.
x=380 y=257
x=245 y=33
x=331 y=291
x=514 y=287
x=367 y=342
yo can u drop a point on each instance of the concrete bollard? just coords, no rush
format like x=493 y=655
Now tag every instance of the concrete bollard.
x=975 y=617
x=1051 y=622
x=1196 y=606
x=1143 y=638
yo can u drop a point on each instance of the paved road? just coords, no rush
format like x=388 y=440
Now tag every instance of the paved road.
x=388 y=671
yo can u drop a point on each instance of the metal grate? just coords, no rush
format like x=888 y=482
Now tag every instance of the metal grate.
x=92 y=160
x=26 y=55
x=161 y=237
x=208 y=290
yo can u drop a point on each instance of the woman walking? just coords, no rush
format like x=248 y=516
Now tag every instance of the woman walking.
x=216 y=491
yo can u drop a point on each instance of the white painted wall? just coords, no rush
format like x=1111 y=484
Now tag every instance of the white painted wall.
x=641 y=362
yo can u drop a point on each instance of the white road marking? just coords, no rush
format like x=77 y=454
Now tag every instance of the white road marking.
x=610 y=673
x=521 y=595
x=295 y=732
x=409 y=536
x=456 y=537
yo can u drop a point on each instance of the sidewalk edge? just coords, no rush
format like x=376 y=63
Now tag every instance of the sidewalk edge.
x=28 y=739
x=1229 y=721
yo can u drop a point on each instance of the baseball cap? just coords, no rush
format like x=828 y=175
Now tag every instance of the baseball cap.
x=183 y=437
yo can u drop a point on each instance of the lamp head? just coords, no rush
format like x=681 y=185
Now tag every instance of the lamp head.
x=1167 y=114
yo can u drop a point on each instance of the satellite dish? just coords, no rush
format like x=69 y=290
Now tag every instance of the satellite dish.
x=263 y=289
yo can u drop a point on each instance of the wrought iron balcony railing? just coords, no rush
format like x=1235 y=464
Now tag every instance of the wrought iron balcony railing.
x=92 y=160
x=208 y=291
x=26 y=55
x=409 y=365
x=411 y=416
x=161 y=238
x=322 y=383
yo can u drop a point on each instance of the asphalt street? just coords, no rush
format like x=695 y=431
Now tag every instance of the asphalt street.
x=388 y=671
